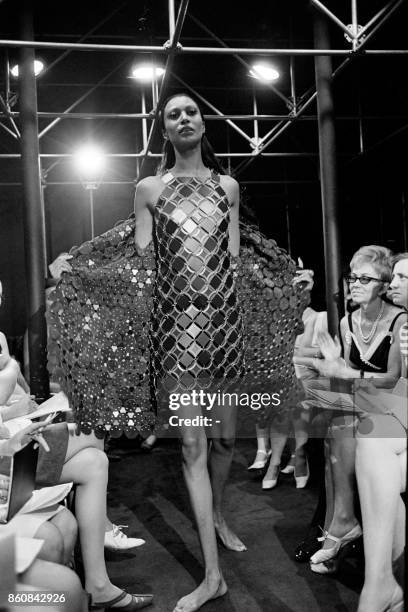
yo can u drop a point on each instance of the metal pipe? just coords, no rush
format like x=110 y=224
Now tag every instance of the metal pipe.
x=144 y=122
x=79 y=184
x=154 y=130
x=34 y=238
x=328 y=171
x=255 y=107
x=221 y=117
x=214 y=108
x=354 y=23
x=333 y=17
x=142 y=154
x=241 y=61
x=193 y=50
x=172 y=19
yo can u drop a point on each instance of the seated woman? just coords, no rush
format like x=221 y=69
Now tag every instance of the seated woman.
x=371 y=349
x=43 y=571
x=87 y=467
x=381 y=477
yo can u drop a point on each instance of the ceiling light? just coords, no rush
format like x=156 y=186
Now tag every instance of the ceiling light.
x=147 y=73
x=38 y=67
x=264 y=72
x=90 y=162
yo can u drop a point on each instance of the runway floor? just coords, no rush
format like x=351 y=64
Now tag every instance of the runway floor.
x=147 y=492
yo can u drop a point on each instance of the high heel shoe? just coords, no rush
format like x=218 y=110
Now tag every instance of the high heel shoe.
x=325 y=554
x=332 y=565
x=270 y=483
x=290 y=467
x=259 y=464
x=301 y=481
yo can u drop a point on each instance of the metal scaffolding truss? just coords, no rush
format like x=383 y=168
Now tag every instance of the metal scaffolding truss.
x=255 y=145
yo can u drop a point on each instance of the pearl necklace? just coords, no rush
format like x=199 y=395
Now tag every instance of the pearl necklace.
x=367 y=339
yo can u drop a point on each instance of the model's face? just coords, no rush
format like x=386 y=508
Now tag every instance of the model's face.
x=365 y=294
x=183 y=123
x=399 y=285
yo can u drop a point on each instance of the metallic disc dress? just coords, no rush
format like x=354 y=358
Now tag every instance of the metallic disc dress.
x=197 y=334
x=124 y=323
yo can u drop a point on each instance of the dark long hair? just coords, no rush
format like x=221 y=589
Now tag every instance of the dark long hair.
x=169 y=157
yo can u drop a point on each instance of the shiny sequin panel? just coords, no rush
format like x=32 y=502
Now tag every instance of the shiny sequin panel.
x=197 y=335
x=99 y=323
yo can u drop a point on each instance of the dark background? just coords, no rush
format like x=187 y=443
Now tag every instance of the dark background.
x=372 y=174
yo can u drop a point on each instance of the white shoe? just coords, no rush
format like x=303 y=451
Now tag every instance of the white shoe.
x=290 y=467
x=115 y=539
x=301 y=481
x=259 y=464
x=326 y=554
x=270 y=483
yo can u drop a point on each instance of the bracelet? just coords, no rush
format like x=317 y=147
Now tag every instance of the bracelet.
x=361 y=373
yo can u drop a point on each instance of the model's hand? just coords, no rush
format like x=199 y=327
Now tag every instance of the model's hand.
x=330 y=349
x=60 y=265
x=305 y=279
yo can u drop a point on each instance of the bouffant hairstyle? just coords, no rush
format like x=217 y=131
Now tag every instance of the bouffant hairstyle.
x=377 y=256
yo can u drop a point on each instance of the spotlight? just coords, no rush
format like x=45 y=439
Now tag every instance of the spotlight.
x=90 y=162
x=38 y=67
x=147 y=73
x=264 y=72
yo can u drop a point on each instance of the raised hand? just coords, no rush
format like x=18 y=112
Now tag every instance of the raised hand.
x=330 y=349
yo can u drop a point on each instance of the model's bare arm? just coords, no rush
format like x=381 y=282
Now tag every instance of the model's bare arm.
x=231 y=188
x=143 y=214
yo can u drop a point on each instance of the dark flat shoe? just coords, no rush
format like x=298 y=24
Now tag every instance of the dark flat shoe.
x=137 y=603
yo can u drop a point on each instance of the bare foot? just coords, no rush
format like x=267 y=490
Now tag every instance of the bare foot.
x=228 y=537
x=208 y=589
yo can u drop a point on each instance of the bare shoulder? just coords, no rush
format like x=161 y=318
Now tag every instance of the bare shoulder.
x=148 y=190
x=228 y=182
x=231 y=187
x=150 y=184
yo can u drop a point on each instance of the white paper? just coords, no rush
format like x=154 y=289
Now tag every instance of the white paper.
x=45 y=497
x=56 y=403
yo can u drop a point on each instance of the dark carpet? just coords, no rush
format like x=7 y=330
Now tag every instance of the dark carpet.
x=147 y=493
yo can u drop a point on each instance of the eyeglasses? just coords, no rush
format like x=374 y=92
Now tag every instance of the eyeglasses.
x=363 y=279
